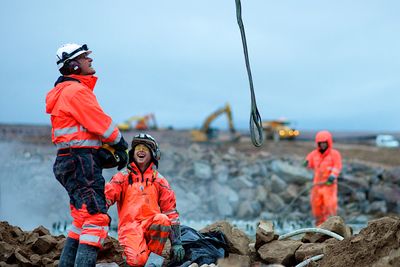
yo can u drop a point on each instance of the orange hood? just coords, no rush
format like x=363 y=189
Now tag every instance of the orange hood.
x=324 y=136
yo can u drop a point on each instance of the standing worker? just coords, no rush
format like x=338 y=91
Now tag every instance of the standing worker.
x=327 y=164
x=146 y=207
x=79 y=129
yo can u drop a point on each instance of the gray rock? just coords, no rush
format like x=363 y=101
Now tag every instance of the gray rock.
x=242 y=181
x=377 y=206
x=202 y=170
x=291 y=173
x=277 y=184
x=222 y=173
x=274 y=203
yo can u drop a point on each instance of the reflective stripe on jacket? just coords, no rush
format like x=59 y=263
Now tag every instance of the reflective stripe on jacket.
x=141 y=196
x=76 y=117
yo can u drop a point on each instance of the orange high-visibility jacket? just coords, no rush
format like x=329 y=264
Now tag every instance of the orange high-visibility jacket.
x=76 y=117
x=141 y=196
x=326 y=164
x=324 y=197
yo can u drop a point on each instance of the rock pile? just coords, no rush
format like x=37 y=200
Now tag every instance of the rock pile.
x=225 y=183
x=376 y=245
x=40 y=248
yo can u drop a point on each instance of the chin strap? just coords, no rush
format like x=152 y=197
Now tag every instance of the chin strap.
x=175 y=235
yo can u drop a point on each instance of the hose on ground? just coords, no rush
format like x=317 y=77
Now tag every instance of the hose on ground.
x=311 y=230
x=307 y=261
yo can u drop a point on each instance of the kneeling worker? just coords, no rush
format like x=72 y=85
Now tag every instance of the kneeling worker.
x=146 y=205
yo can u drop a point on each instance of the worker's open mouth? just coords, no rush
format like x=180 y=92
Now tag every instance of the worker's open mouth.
x=141 y=154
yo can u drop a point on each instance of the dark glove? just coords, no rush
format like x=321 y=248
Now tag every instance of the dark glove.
x=121 y=145
x=122 y=158
x=178 y=253
x=305 y=163
x=330 y=180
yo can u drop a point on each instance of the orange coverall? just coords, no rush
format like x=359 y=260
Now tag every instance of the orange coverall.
x=146 y=209
x=328 y=163
x=79 y=123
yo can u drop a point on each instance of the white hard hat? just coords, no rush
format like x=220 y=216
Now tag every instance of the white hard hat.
x=70 y=51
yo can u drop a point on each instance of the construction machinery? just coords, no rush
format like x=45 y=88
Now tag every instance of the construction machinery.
x=279 y=130
x=146 y=122
x=206 y=133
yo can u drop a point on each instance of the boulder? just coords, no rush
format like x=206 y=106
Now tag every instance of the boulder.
x=44 y=244
x=334 y=224
x=22 y=258
x=265 y=233
x=308 y=250
x=291 y=173
x=281 y=252
x=41 y=231
x=202 y=170
x=277 y=184
x=274 y=203
x=6 y=251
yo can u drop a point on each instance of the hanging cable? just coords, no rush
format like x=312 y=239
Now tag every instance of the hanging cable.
x=256 y=130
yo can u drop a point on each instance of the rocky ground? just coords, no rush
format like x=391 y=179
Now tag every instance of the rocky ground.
x=234 y=182
x=376 y=245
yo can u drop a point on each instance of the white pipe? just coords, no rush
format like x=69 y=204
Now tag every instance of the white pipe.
x=312 y=230
x=307 y=261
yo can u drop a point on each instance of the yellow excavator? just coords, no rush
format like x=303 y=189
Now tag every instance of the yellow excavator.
x=146 y=122
x=206 y=133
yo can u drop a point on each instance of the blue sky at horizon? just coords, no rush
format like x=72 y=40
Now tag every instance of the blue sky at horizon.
x=323 y=64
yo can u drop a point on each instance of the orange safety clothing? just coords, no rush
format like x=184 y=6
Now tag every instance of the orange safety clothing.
x=89 y=229
x=79 y=127
x=76 y=117
x=146 y=209
x=328 y=163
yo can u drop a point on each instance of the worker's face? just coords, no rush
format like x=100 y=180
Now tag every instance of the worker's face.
x=142 y=155
x=323 y=145
x=85 y=64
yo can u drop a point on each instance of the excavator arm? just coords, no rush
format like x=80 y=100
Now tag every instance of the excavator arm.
x=203 y=134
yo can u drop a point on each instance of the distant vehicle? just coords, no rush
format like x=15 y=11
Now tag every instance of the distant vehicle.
x=146 y=122
x=207 y=133
x=279 y=129
x=386 y=140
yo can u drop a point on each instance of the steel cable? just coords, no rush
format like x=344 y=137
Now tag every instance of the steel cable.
x=256 y=130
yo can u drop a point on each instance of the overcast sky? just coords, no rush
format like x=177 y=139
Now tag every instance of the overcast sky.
x=324 y=64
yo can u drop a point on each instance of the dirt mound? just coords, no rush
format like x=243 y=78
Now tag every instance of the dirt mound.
x=376 y=245
x=40 y=248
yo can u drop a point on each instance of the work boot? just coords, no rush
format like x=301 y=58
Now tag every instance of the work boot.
x=86 y=256
x=68 y=254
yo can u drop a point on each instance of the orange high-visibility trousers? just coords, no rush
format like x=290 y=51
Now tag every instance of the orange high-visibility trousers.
x=323 y=202
x=89 y=229
x=140 y=238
